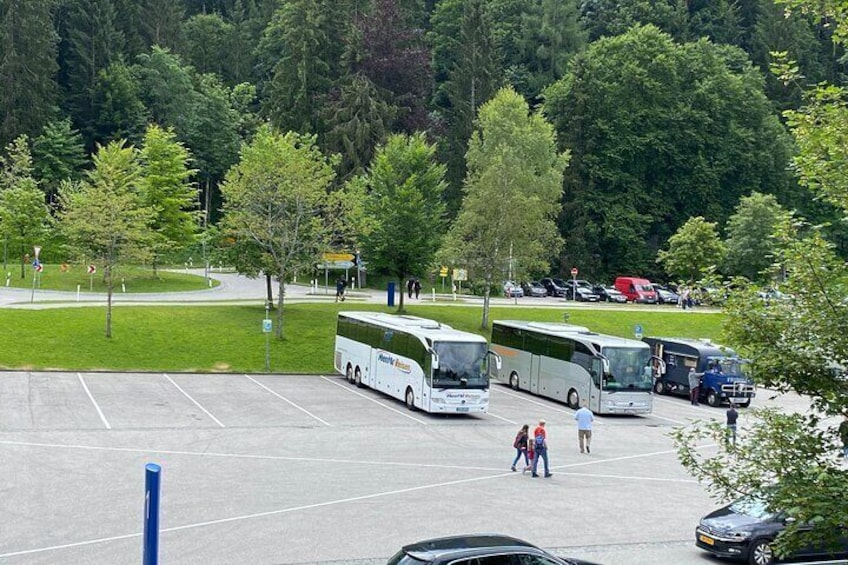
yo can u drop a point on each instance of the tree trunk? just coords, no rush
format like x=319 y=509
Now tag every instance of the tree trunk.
x=108 y=276
x=280 y=301
x=486 y=294
x=268 y=290
x=402 y=293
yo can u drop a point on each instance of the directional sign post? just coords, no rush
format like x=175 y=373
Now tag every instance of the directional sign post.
x=267 y=327
x=638 y=331
x=91 y=270
x=574 y=283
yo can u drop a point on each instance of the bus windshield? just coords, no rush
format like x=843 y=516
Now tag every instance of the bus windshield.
x=627 y=368
x=461 y=364
x=731 y=366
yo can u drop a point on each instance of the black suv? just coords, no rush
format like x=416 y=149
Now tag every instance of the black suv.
x=477 y=549
x=554 y=288
x=744 y=530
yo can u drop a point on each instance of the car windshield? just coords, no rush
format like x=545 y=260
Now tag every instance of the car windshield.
x=644 y=288
x=461 y=364
x=629 y=368
x=752 y=506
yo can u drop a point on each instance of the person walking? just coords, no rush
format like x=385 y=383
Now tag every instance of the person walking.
x=521 y=446
x=340 y=289
x=843 y=434
x=694 y=386
x=409 y=285
x=416 y=286
x=584 y=418
x=732 y=416
x=540 y=446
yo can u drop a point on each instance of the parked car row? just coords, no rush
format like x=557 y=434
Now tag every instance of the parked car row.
x=625 y=289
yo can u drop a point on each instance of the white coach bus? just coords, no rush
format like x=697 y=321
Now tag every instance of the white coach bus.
x=570 y=363
x=428 y=365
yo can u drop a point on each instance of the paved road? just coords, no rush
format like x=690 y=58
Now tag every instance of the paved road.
x=287 y=469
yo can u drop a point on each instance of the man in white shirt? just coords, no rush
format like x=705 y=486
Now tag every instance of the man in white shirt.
x=584 y=418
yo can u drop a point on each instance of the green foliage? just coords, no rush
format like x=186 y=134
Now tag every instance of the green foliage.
x=693 y=250
x=659 y=132
x=406 y=205
x=274 y=198
x=117 y=109
x=28 y=43
x=69 y=277
x=165 y=188
x=207 y=42
x=104 y=221
x=58 y=154
x=512 y=198
x=751 y=236
x=24 y=220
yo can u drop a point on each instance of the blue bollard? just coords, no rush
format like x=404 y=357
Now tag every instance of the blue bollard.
x=391 y=294
x=151 y=514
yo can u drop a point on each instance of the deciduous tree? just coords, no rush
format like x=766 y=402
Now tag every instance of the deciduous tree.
x=512 y=195
x=104 y=220
x=274 y=197
x=693 y=250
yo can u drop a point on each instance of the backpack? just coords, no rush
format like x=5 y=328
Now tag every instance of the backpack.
x=540 y=442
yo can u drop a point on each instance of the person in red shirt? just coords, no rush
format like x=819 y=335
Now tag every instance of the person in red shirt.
x=540 y=443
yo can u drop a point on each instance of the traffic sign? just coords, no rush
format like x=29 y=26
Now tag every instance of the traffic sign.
x=637 y=331
x=267 y=326
x=573 y=271
x=92 y=269
x=331 y=257
x=443 y=272
x=39 y=267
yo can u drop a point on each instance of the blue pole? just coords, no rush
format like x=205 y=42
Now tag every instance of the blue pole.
x=151 y=514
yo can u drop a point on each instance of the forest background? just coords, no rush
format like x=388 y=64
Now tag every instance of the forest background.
x=668 y=109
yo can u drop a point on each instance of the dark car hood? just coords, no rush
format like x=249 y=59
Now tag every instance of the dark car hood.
x=726 y=520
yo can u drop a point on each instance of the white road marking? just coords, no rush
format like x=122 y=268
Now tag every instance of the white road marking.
x=196 y=403
x=502 y=418
x=374 y=401
x=96 y=406
x=532 y=401
x=283 y=398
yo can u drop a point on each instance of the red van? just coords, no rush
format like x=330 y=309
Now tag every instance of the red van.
x=636 y=289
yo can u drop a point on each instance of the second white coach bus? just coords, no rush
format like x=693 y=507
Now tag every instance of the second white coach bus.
x=428 y=365
x=571 y=363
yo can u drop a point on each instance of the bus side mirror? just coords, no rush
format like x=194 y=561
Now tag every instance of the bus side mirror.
x=498 y=361
x=435 y=360
x=606 y=365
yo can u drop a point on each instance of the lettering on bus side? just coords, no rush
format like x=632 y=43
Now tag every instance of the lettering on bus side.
x=402 y=366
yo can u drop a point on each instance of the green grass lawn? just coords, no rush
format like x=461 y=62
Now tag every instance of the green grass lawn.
x=136 y=279
x=229 y=338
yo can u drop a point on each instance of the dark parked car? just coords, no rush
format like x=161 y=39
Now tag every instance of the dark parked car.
x=534 y=289
x=583 y=293
x=744 y=531
x=609 y=294
x=478 y=549
x=665 y=295
x=554 y=288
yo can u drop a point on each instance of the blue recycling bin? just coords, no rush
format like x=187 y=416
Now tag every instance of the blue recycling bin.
x=391 y=294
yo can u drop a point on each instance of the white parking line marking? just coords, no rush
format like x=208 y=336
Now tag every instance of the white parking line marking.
x=289 y=510
x=630 y=478
x=502 y=418
x=281 y=397
x=96 y=406
x=196 y=403
x=374 y=401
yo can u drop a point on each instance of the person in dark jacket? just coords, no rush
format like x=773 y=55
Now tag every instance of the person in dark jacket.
x=732 y=416
x=520 y=445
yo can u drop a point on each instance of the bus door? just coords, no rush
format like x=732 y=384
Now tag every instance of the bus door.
x=598 y=369
x=535 y=373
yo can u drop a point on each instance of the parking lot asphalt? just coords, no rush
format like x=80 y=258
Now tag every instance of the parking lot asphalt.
x=295 y=469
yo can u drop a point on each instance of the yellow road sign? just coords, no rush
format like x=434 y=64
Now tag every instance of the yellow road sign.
x=338 y=256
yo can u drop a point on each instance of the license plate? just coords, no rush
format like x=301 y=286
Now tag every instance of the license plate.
x=707 y=540
x=463 y=409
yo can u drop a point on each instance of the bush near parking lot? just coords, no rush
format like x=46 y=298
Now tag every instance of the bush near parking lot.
x=229 y=338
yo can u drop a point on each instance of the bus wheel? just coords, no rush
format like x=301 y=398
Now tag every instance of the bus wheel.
x=659 y=387
x=349 y=373
x=410 y=399
x=357 y=378
x=513 y=381
x=573 y=399
x=712 y=398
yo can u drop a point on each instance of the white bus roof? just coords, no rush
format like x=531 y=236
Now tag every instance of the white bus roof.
x=422 y=327
x=581 y=333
